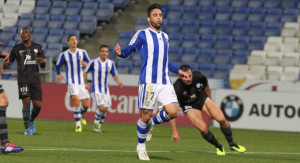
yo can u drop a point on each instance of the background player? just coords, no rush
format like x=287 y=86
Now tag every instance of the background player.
x=192 y=94
x=154 y=83
x=29 y=56
x=6 y=146
x=100 y=67
x=74 y=60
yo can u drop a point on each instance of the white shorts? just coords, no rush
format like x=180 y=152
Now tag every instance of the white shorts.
x=78 y=90
x=101 y=99
x=150 y=93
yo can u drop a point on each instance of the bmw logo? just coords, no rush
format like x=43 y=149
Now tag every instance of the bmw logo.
x=232 y=107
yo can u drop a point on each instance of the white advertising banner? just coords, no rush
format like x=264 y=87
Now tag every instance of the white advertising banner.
x=275 y=111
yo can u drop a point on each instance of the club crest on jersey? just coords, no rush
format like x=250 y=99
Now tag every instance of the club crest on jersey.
x=166 y=39
x=133 y=40
x=35 y=50
x=79 y=57
x=108 y=68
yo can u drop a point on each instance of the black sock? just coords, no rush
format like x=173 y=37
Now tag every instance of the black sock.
x=26 y=116
x=228 y=134
x=83 y=110
x=211 y=139
x=34 y=113
x=3 y=126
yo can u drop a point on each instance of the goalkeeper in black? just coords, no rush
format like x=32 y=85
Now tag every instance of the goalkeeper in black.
x=29 y=57
x=193 y=95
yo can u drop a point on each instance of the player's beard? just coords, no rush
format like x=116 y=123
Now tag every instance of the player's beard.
x=155 y=25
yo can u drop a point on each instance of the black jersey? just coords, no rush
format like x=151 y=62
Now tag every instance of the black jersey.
x=28 y=68
x=192 y=95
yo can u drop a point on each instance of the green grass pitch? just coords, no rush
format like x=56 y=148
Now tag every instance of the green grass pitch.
x=56 y=141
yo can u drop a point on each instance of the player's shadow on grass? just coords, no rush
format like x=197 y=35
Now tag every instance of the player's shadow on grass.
x=160 y=158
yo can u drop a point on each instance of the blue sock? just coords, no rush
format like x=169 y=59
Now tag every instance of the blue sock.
x=102 y=117
x=77 y=116
x=161 y=117
x=141 y=131
x=97 y=116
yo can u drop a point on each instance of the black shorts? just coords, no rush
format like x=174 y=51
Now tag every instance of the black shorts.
x=196 y=105
x=33 y=90
x=1 y=89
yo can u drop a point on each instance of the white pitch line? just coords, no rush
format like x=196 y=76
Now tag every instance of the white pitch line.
x=109 y=150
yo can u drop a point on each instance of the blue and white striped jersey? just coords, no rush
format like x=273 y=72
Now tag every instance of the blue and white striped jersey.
x=100 y=72
x=73 y=66
x=153 y=49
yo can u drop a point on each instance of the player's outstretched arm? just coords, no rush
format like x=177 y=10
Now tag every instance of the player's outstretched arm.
x=175 y=134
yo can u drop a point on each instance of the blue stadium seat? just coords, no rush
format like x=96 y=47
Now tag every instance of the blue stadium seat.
x=25 y=20
x=40 y=21
x=191 y=12
x=174 y=2
x=126 y=34
x=257 y=29
x=207 y=41
x=68 y=32
x=223 y=13
x=223 y=42
x=222 y=71
x=126 y=64
x=56 y=21
x=55 y=35
x=194 y=9
x=255 y=3
x=120 y=3
x=208 y=69
x=105 y=11
x=190 y=26
x=88 y=25
x=136 y=70
x=142 y=21
x=273 y=29
x=205 y=3
x=72 y=22
x=39 y=34
x=175 y=39
x=222 y=2
x=206 y=56
x=289 y=15
x=223 y=57
x=89 y=9
x=193 y=51
x=207 y=27
x=240 y=14
x=224 y=27
x=207 y=13
x=58 y=7
x=239 y=3
x=175 y=54
x=138 y=63
x=240 y=43
x=256 y=14
x=42 y=7
x=8 y=33
x=73 y=8
x=53 y=51
x=289 y=4
x=239 y=57
x=256 y=43
x=175 y=12
x=190 y=3
x=240 y=28
x=273 y=15
x=190 y=40
x=104 y=1
x=174 y=26
x=272 y=3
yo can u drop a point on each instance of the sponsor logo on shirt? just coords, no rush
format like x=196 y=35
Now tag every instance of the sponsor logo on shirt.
x=28 y=60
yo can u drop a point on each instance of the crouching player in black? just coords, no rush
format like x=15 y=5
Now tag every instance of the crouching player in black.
x=193 y=95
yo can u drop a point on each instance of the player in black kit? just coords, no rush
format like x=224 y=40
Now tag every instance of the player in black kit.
x=193 y=95
x=29 y=56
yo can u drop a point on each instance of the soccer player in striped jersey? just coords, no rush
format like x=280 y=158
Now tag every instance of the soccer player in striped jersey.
x=100 y=67
x=74 y=60
x=154 y=83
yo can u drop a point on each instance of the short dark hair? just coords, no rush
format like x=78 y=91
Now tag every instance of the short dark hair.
x=71 y=36
x=153 y=6
x=103 y=46
x=26 y=28
x=185 y=68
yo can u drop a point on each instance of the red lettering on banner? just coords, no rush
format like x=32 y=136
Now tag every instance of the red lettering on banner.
x=56 y=105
